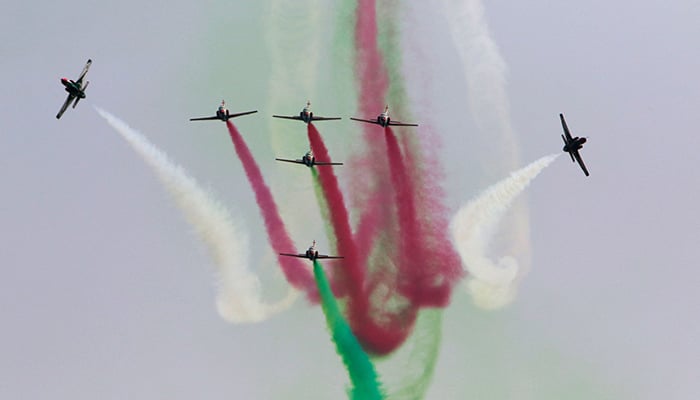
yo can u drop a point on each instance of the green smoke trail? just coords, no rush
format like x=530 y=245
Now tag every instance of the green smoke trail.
x=419 y=365
x=365 y=385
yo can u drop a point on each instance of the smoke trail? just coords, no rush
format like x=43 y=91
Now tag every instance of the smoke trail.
x=492 y=283
x=417 y=370
x=278 y=237
x=381 y=329
x=409 y=249
x=484 y=69
x=365 y=385
x=485 y=72
x=239 y=289
x=340 y=219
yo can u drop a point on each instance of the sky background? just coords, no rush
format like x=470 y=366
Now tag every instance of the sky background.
x=106 y=291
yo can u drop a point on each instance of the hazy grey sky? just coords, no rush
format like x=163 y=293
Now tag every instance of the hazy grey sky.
x=107 y=293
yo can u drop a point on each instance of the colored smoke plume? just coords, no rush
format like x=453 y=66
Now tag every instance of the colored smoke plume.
x=279 y=239
x=491 y=283
x=239 y=298
x=363 y=377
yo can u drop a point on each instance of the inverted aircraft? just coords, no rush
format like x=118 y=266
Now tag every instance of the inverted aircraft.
x=383 y=119
x=75 y=89
x=572 y=145
x=309 y=160
x=311 y=253
x=306 y=115
x=223 y=114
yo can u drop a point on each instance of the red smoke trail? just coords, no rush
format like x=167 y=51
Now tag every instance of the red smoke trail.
x=376 y=338
x=442 y=265
x=294 y=269
x=340 y=218
x=427 y=265
x=409 y=246
x=372 y=185
x=373 y=75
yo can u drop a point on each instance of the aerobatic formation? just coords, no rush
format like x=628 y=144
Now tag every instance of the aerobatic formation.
x=395 y=256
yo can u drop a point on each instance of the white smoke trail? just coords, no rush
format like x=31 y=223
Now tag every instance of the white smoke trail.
x=492 y=284
x=239 y=298
x=485 y=69
x=485 y=72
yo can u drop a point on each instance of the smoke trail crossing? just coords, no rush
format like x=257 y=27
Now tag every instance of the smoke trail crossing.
x=491 y=283
x=365 y=385
x=239 y=298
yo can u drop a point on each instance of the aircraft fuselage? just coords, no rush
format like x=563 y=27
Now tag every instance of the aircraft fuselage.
x=308 y=161
x=306 y=115
x=311 y=254
x=574 y=144
x=383 y=119
x=73 y=88
x=222 y=113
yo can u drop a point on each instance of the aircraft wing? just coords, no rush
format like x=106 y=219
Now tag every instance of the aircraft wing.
x=369 y=121
x=291 y=161
x=328 y=257
x=204 y=118
x=287 y=117
x=242 y=113
x=566 y=128
x=65 y=105
x=327 y=163
x=580 y=162
x=397 y=123
x=324 y=118
x=85 y=70
x=293 y=255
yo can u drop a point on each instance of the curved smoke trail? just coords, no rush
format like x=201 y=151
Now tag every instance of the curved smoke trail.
x=239 y=298
x=485 y=72
x=277 y=234
x=492 y=283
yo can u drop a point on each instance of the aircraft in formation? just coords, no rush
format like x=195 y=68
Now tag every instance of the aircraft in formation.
x=223 y=114
x=311 y=253
x=306 y=115
x=383 y=119
x=309 y=160
x=75 y=89
x=572 y=145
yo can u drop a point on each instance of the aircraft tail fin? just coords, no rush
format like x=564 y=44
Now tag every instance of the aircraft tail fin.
x=77 y=99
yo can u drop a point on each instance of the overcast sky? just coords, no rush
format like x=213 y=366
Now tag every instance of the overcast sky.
x=106 y=292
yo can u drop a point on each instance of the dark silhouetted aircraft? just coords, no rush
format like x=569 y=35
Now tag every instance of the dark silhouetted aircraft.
x=75 y=89
x=383 y=120
x=307 y=115
x=311 y=254
x=223 y=114
x=573 y=145
x=309 y=160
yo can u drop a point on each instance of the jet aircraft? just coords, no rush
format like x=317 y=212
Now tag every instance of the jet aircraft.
x=223 y=114
x=75 y=89
x=306 y=115
x=573 y=145
x=311 y=253
x=383 y=120
x=309 y=160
